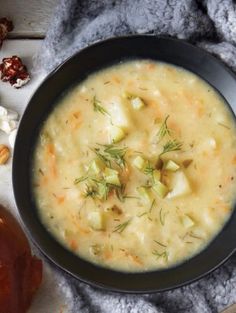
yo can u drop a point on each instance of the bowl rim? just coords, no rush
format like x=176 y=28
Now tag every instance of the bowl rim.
x=27 y=224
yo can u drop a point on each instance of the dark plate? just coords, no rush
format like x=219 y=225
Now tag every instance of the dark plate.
x=74 y=70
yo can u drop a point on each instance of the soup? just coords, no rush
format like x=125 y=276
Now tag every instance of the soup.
x=135 y=167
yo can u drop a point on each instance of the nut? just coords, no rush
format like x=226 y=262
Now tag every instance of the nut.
x=4 y=154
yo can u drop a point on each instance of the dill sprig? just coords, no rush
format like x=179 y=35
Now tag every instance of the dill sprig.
x=162 y=217
x=120 y=192
x=149 y=169
x=152 y=206
x=161 y=255
x=111 y=153
x=121 y=227
x=160 y=244
x=164 y=130
x=80 y=179
x=90 y=191
x=98 y=107
x=171 y=145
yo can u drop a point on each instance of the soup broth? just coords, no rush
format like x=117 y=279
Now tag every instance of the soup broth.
x=135 y=168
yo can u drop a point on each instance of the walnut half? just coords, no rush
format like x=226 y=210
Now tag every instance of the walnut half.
x=4 y=154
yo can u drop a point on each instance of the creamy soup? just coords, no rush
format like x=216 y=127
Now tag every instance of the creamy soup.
x=135 y=168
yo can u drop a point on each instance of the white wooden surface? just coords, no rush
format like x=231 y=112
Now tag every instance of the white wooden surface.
x=30 y=17
x=16 y=99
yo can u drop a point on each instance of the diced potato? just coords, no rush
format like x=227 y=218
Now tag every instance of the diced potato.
x=139 y=162
x=119 y=113
x=160 y=189
x=111 y=176
x=180 y=185
x=96 y=220
x=156 y=175
x=96 y=166
x=171 y=166
x=137 y=103
x=187 y=221
x=145 y=193
x=116 y=134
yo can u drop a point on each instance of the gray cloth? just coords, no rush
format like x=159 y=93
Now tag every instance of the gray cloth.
x=210 y=24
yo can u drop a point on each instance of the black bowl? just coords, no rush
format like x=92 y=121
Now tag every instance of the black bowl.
x=74 y=70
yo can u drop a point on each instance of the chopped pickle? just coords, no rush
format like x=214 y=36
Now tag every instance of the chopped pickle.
x=96 y=166
x=180 y=185
x=145 y=193
x=156 y=176
x=187 y=221
x=137 y=103
x=111 y=176
x=171 y=166
x=160 y=189
x=116 y=134
x=96 y=220
x=139 y=162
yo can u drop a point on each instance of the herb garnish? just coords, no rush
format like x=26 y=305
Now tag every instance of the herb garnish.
x=98 y=107
x=171 y=145
x=223 y=125
x=112 y=153
x=152 y=205
x=90 y=191
x=164 y=130
x=121 y=227
x=80 y=179
x=161 y=255
x=149 y=169
x=162 y=217
x=159 y=243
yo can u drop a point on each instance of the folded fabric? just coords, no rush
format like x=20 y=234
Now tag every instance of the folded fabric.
x=210 y=24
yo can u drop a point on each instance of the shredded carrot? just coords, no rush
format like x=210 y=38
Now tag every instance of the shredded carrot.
x=76 y=114
x=73 y=244
x=234 y=160
x=107 y=254
x=151 y=66
x=136 y=259
x=116 y=79
x=50 y=148
x=60 y=199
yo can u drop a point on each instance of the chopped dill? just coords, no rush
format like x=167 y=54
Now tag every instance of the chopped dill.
x=171 y=145
x=98 y=107
x=162 y=217
x=142 y=214
x=152 y=205
x=90 y=191
x=120 y=192
x=121 y=227
x=149 y=169
x=194 y=236
x=223 y=125
x=163 y=255
x=111 y=153
x=159 y=243
x=80 y=179
x=164 y=130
